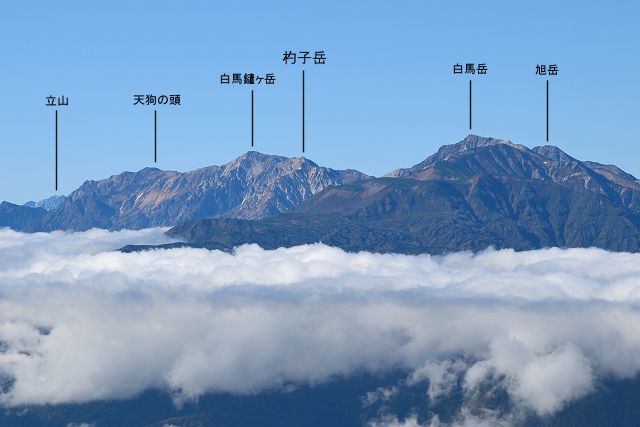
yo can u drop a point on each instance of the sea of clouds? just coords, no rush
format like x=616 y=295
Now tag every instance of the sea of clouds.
x=80 y=321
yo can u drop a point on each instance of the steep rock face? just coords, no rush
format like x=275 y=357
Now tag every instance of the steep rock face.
x=480 y=192
x=252 y=186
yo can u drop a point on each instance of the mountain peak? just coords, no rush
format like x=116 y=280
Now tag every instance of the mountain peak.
x=48 y=203
x=552 y=152
x=256 y=156
x=299 y=161
x=475 y=141
x=257 y=161
x=471 y=142
x=483 y=140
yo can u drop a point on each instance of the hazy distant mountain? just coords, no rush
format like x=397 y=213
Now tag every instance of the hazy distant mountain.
x=477 y=193
x=48 y=203
x=252 y=186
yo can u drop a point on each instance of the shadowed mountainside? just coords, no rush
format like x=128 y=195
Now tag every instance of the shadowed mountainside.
x=480 y=192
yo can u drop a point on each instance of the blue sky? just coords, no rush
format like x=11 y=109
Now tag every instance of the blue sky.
x=386 y=97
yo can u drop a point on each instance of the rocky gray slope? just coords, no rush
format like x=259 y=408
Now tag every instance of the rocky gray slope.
x=252 y=186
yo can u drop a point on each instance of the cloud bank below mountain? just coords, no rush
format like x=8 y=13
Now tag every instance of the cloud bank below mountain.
x=80 y=322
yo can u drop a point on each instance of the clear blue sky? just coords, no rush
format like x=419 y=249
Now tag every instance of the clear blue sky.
x=386 y=97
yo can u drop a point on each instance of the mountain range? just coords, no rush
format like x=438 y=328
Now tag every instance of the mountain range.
x=252 y=186
x=477 y=193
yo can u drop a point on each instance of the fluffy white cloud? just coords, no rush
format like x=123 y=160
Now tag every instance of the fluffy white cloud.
x=80 y=322
x=463 y=420
x=392 y=421
x=441 y=375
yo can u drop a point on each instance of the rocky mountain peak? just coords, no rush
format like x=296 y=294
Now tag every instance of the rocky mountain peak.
x=472 y=142
x=468 y=144
x=299 y=162
x=552 y=152
x=256 y=156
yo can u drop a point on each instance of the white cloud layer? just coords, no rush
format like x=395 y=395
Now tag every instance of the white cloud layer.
x=79 y=322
